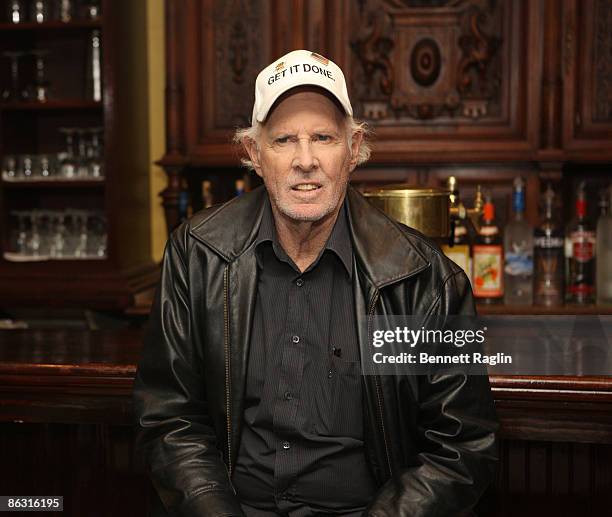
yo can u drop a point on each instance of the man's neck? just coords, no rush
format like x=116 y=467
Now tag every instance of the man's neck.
x=303 y=240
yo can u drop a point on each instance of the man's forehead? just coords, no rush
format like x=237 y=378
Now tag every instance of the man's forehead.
x=286 y=98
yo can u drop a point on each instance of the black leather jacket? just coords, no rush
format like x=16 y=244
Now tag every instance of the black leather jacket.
x=430 y=440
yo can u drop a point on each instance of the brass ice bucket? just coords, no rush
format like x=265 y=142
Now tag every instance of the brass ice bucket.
x=424 y=209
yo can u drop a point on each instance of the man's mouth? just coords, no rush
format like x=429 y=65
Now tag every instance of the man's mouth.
x=305 y=187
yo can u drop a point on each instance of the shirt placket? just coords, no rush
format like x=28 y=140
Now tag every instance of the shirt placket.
x=287 y=394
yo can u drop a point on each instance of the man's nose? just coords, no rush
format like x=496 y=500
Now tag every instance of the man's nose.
x=304 y=156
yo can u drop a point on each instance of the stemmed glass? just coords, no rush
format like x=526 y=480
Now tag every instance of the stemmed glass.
x=80 y=219
x=15 y=11
x=13 y=93
x=66 y=8
x=92 y=9
x=94 y=153
x=34 y=242
x=41 y=85
x=21 y=241
x=81 y=160
x=40 y=11
x=99 y=235
x=58 y=238
x=68 y=163
x=9 y=168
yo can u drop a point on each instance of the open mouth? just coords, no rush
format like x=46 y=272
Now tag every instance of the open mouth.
x=306 y=187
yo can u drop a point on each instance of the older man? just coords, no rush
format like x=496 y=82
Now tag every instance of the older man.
x=249 y=395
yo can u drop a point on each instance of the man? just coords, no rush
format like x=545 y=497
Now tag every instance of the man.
x=249 y=394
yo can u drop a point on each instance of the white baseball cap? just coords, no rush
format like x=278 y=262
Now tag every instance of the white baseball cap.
x=298 y=68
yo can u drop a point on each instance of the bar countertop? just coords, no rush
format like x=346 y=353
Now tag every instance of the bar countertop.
x=87 y=376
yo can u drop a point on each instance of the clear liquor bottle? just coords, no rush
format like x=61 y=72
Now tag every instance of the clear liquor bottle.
x=487 y=258
x=548 y=255
x=580 y=255
x=518 y=252
x=604 y=252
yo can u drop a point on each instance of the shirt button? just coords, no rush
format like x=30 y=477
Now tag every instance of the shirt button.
x=295 y=339
x=288 y=395
x=286 y=445
x=299 y=282
x=329 y=374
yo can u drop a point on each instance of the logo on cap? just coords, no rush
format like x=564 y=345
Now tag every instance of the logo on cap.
x=320 y=58
x=279 y=66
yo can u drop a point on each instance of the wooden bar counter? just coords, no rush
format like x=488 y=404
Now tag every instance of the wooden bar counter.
x=66 y=420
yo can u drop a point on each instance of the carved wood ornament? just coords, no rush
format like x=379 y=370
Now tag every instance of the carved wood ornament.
x=424 y=60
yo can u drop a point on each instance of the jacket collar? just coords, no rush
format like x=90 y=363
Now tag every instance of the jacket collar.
x=382 y=250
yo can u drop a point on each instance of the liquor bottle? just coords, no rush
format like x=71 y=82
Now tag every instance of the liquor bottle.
x=207 y=195
x=459 y=249
x=604 y=251
x=548 y=255
x=518 y=252
x=487 y=256
x=580 y=255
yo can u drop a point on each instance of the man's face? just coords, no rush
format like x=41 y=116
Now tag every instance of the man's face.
x=304 y=157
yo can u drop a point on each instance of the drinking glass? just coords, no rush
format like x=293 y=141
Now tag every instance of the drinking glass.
x=68 y=165
x=94 y=153
x=92 y=9
x=99 y=235
x=21 y=235
x=66 y=10
x=58 y=234
x=40 y=11
x=34 y=240
x=16 y=11
x=27 y=167
x=41 y=85
x=82 y=170
x=13 y=92
x=9 y=167
x=81 y=236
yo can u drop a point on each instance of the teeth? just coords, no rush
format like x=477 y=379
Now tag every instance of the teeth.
x=306 y=186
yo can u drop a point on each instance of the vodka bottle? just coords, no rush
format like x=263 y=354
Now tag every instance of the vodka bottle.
x=487 y=256
x=580 y=254
x=604 y=252
x=518 y=252
x=548 y=255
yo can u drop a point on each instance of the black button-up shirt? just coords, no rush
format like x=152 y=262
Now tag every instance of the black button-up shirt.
x=302 y=450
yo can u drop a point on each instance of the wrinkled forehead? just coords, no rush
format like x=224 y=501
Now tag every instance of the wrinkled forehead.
x=339 y=114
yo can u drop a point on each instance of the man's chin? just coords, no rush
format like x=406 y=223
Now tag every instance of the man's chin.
x=305 y=213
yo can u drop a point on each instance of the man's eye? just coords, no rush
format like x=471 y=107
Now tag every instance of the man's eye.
x=282 y=140
x=322 y=138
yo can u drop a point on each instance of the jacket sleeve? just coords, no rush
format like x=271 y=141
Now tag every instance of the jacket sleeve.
x=175 y=437
x=456 y=435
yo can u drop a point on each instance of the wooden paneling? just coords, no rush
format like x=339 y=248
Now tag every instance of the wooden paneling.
x=587 y=66
x=443 y=80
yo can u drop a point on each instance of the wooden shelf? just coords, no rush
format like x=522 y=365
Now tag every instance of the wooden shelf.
x=532 y=310
x=61 y=104
x=53 y=184
x=51 y=25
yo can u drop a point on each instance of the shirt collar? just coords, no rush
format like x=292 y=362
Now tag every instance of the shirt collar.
x=339 y=240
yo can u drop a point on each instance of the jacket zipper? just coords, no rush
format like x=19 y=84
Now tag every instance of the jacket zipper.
x=227 y=370
x=378 y=389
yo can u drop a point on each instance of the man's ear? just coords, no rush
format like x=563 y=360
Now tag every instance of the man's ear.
x=252 y=150
x=355 y=146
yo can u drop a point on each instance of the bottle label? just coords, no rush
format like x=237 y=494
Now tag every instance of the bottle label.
x=518 y=262
x=489 y=230
x=548 y=242
x=487 y=261
x=583 y=246
x=460 y=255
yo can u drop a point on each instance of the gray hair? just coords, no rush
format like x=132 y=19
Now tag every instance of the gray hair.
x=352 y=127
